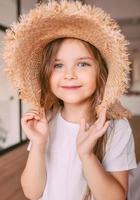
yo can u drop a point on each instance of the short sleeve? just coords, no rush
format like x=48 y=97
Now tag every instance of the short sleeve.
x=29 y=146
x=120 y=148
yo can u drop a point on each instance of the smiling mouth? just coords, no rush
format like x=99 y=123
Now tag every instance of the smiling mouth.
x=71 y=87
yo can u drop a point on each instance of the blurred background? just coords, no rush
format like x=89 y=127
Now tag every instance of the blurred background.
x=13 y=142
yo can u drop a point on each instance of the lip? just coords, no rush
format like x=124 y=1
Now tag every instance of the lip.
x=71 y=87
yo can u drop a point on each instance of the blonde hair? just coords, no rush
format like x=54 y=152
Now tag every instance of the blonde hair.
x=51 y=103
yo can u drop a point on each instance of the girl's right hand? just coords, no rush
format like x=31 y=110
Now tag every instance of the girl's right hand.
x=35 y=126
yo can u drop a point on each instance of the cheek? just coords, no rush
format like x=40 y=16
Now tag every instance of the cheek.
x=90 y=78
x=54 y=79
x=92 y=82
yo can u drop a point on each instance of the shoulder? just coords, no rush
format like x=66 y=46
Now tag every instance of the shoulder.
x=120 y=148
x=120 y=128
x=120 y=136
x=121 y=124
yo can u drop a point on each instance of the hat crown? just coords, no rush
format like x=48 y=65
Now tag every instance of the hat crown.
x=25 y=40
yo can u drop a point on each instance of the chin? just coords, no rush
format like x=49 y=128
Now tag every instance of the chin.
x=72 y=100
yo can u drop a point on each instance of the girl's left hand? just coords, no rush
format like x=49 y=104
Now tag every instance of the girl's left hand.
x=86 y=139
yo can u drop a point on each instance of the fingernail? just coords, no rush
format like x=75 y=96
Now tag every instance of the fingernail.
x=100 y=113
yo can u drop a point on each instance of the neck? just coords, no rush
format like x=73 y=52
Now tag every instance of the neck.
x=74 y=113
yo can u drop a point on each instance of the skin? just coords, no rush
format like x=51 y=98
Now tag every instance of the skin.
x=71 y=70
x=68 y=71
x=116 y=182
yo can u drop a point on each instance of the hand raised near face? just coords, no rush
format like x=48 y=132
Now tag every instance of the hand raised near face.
x=86 y=139
x=35 y=126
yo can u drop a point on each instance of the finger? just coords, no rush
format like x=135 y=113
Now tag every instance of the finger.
x=101 y=120
x=82 y=125
x=26 y=118
x=38 y=116
x=102 y=115
x=103 y=130
x=105 y=127
x=24 y=122
x=43 y=114
x=33 y=109
x=31 y=116
x=43 y=117
x=30 y=112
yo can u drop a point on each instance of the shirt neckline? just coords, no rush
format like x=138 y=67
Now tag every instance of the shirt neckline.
x=77 y=125
x=67 y=122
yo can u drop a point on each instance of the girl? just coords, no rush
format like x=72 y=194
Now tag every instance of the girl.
x=81 y=144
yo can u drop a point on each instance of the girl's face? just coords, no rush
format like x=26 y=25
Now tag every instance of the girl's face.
x=73 y=79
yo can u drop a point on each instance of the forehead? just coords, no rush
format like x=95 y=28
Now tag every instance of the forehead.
x=74 y=46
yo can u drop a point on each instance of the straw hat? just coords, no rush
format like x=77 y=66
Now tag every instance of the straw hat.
x=25 y=40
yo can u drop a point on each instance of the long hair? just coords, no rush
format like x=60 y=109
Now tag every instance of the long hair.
x=51 y=103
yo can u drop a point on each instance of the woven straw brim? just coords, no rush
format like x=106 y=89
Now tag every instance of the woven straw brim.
x=25 y=40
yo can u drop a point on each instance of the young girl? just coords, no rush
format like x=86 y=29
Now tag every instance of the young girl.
x=72 y=66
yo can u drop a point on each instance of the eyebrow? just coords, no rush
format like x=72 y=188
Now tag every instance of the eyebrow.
x=82 y=58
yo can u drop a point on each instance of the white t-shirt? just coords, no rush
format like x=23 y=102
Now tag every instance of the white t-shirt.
x=65 y=178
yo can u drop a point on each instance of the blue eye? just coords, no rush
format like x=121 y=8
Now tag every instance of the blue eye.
x=57 y=66
x=84 y=64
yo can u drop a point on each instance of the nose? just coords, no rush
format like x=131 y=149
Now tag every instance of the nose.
x=70 y=74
